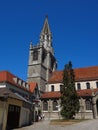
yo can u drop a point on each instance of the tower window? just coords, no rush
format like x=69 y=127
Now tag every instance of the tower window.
x=78 y=86
x=52 y=88
x=35 y=55
x=88 y=85
x=96 y=84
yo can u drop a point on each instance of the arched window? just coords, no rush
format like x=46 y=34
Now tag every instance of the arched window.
x=78 y=86
x=55 y=104
x=96 y=84
x=88 y=85
x=45 y=106
x=88 y=105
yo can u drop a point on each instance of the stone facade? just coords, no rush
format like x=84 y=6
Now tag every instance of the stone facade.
x=41 y=58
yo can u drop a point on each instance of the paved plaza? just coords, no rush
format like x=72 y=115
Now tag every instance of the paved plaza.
x=45 y=125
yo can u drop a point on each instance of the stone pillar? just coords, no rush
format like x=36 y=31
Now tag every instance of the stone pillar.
x=94 y=109
x=59 y=108
x=49 y=108
x=82 y=104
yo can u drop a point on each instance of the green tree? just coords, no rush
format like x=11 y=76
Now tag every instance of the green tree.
x=69 y=98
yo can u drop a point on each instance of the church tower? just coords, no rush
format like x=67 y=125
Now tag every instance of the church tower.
x=41 y=58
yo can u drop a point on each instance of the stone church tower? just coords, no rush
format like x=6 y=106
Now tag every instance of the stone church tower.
x=41 y=58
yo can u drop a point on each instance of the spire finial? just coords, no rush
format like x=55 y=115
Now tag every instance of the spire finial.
x=46 y=16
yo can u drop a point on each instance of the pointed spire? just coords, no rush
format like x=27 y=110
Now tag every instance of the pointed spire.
x=46 y=28
x=46 y=35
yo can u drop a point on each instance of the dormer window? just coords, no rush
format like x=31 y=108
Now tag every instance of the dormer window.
x=19 y=82
x=88 y=85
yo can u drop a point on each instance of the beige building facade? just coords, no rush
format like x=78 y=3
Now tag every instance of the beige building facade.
x=13 y=114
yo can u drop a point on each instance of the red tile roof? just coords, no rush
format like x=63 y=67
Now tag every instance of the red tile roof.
x=81 y=74
x=33 y=85
x=57 y=94
x=87 y=92
x=6 y=76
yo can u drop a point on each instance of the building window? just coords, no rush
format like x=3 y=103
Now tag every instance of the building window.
x=88 y=85
x=55 y=104
x=35 y=55
x=61 y=88
x=88 y=105
x=52 y=88
x=96 y=84
x=45 y=106
x=78 y=86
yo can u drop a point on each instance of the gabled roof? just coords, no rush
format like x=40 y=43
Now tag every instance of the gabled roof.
x=32 y=85
x=81 y=74
x=6 y=76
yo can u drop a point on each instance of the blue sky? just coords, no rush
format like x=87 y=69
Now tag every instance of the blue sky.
x=73 y=23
